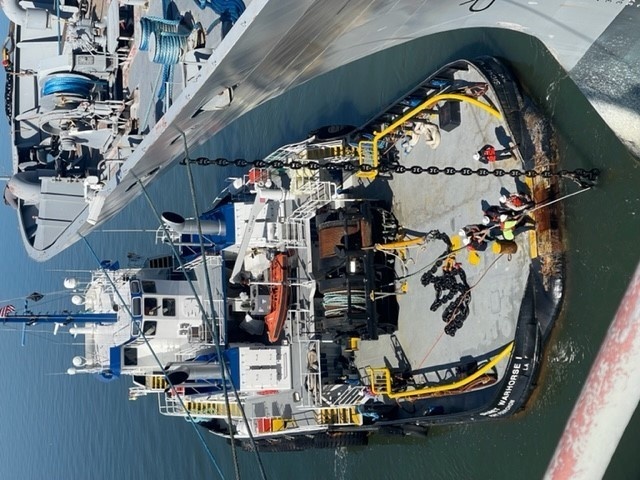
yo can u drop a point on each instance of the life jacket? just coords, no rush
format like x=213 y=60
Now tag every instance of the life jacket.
x=507 y=229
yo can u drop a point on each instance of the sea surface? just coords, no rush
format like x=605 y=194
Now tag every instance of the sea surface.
x=53 y=426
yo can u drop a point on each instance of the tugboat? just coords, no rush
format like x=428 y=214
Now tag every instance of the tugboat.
x=384 y=278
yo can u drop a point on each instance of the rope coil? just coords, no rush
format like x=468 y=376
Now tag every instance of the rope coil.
x=166 y=48
x=69 y=84
x=149 y=25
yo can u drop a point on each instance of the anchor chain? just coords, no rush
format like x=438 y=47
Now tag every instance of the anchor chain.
x=584 y=178
x=454 y=281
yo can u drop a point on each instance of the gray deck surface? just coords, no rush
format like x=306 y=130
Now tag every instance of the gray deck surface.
x=422 y=203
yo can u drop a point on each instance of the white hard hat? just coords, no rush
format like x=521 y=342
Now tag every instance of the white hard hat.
x=486 y=220
x=476 y=156
x=462 y=233
x=503 y=199
x=503 y=217
x=466 y=241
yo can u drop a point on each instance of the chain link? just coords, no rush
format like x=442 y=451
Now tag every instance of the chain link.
x=581 y=176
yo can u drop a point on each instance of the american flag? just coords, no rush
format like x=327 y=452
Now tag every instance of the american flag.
x=6 y=310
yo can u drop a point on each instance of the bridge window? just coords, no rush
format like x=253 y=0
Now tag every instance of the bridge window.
x=135 y=307
x=150 y=306
x=149 y=328
x=130 y=356
x=148 y=286
x=168 y=307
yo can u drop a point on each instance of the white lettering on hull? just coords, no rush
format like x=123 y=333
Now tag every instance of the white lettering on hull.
x=505 y=404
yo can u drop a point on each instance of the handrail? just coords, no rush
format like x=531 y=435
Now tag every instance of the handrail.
x=433 y=100
x=412 y=113
x=455 y=385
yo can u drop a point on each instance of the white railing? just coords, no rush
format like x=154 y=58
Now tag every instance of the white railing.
x=189 y=353
x=294 y=235
x=301 y=322
x=170 y=406
x=288 y=152
x=318 y=194
x=311 y=380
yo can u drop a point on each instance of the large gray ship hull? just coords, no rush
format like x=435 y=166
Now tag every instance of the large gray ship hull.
x=276 y=46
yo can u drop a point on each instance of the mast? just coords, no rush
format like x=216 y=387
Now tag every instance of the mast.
x=608 y=399
x=61 y=317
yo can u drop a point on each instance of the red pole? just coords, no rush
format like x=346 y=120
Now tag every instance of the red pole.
x=608 y=398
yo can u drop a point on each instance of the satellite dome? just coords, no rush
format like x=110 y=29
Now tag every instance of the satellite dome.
x=77 y=300
x=78 y=361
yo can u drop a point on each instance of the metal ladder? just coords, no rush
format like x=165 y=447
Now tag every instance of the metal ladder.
x=318 y=193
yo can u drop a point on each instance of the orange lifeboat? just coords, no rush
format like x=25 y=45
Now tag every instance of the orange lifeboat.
x=279 y=296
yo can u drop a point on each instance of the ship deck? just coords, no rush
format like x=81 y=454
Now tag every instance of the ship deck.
x=422 y=203
x=256 y=61
x=145 y=77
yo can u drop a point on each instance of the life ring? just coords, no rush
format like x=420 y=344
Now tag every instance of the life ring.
x=175 y=391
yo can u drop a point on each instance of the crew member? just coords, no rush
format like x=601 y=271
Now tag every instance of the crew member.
x=489 y=154
x=509 y=224
x=492 y=214
x=476 y=236
x=517 y=202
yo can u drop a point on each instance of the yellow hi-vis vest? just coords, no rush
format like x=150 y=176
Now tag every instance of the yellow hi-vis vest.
x=507 y=229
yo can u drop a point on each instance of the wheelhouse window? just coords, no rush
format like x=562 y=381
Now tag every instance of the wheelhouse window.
x=135 y=286
x=149 y=328
x=130 y=356
x=150 y=306
x=148 y=286
x=168 y=307
x=135 y=307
